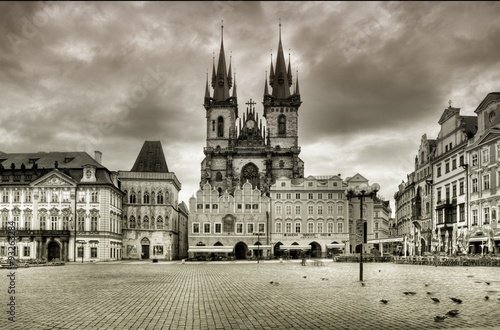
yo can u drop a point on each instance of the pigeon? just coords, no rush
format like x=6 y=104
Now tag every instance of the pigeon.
x=384 y=301
x=429 y=292
x=453 y=312
x=440 y=318
x=362 y=284
x=470 y=275
x=410 y=293
x=435 y=299
x=488 y=283
x=458 y=301
x=271 y=282
x=304 y=276
x=426 y=284
x=486 y=298
x=324 y=279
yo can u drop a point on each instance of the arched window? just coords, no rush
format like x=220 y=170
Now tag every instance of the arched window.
x=159 y=198
x=131 y=223
x=220 y=127
x=219 y=190
x=282 y=124
x=145 y=223
x=159 y=223
x=146 y=198
x=282 y=164
x=250 y=172
x=132 y=198
x=218 y=177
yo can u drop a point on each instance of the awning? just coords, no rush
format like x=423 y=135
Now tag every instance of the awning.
x=335 y=246
x=261 y=247
x=386 y=240
x=210 y=249
x=478 y=239
x=295 y=247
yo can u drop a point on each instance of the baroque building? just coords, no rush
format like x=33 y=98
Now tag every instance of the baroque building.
x=153 y=225
x=64 y=206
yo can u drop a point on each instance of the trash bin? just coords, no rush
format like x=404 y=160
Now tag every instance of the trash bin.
x=183 y=261
x=155 y=260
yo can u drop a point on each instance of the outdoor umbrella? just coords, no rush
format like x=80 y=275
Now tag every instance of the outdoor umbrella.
x=454 y=240
x=440 y=240
x=446 y=241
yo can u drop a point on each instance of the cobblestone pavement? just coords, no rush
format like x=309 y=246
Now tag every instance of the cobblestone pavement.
x=239 y=295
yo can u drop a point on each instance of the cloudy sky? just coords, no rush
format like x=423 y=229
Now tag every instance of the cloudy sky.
x=374 y=77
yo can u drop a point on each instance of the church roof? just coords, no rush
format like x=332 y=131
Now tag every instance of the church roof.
x=151 y=158
x=47 y=159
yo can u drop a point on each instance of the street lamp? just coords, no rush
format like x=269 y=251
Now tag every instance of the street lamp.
x=361 y=192
x=82 y=243
x=258 y=245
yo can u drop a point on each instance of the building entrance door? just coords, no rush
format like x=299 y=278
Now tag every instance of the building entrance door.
x=145 y=252
x=54 y=251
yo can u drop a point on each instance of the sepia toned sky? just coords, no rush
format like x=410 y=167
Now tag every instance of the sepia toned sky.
x=374 y=77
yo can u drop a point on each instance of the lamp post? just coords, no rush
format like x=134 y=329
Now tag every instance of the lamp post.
x=82 y=243
x=258 y=245
x=361 y=192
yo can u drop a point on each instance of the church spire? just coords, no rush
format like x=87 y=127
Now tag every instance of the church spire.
x=230 y=74
x=297 y=91
x=266 y=90
x=281 y=87
x=234 y=87
x=222 y=84
x=207 y=90
x=289 y=73
x=271 y=71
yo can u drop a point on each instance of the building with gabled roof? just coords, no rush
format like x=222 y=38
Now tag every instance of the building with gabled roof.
x=64 y=206
x=152 y=227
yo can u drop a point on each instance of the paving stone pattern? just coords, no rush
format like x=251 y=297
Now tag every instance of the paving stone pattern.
x=239 y=295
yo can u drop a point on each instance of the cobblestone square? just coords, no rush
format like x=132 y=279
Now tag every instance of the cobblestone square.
x=240 y=295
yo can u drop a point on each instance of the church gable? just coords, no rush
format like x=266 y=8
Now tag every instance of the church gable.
x=448 y=113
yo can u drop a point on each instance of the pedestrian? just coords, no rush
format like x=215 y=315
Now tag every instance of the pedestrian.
x=303 y=256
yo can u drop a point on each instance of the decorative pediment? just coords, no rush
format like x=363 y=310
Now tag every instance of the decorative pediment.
x=16 y=211
x=492 y=134
x=54 y=178
x=448 y=113
x=4 y=210
x=54 y=211
x=491 y=102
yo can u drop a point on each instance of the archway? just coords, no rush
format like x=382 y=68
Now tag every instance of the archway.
x=277 y=252
x=315 y=250
x=54 y=251
x=240 y=250
x=145 y=248
x=250 y=172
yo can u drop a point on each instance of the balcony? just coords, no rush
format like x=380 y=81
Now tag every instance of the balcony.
x=37 y=232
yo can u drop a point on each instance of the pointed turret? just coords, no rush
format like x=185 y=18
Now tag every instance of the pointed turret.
x=289 y=74
x=230 y=74
x=221 y=88
x=271 y=72
x=266 y=90
x=234 y=87
x=214 y=75
x=207 y=92
x=281 y=87
x=297 y=91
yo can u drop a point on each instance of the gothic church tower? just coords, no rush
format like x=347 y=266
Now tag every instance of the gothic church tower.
x=237 y=150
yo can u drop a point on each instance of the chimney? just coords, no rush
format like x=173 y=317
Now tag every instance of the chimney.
x=98 y=156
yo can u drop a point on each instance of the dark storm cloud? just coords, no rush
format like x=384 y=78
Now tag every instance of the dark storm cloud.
x=373 y=76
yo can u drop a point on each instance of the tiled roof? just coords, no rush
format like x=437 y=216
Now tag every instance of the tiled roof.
x=47 y=159
x=151 y=158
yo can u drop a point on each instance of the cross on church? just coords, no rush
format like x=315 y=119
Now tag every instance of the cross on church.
x=251 y=103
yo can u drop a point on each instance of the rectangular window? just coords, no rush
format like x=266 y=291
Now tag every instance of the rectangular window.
x=447 y=167
x=474 y=185
x=93 y=252
x=43 y=220
x=43 y=196
x=320 y=209
x=297 y=210
x=474 y=159
x=65 y=196
x=81 y=196
x=438 y=170
x=486 y=182
x=320 y=227
x=461 y=160
x=250 y=228
x=330 y=195
x=27 y=221
x=207 y=206
x=329 y=227
x=278 y=196
x=454 y=190
x=340 y=227
x=310 y=196
x=255 y=206
x=288 y=209
x=26 y=252
x=5 y=196
x=196 y=228
x=239 y=228
x=320 y=196
x=297 y=196
x=81 y=223
x=199 y=206
x=288 y=227
x=297 y=227
x=261 y=228
x=329 y=209
x=278 y=227
x=54 y=197
x=461 y=208
x=218 y=228
x=93 y=223
x=340 y=209
x=53 y=221
x=27 y=196
x=206 y=228
x=248 y=206
x=278 y=209
x=340 y=196
x=80 y=252
x=453 y=163
x=17 y=196
x=215 y=206
x=239 y=206
x=474 y=217
x=310 y=209
x=486 y=215
x=461 y=188
x=485 y=156
x=95 y=196
x=288 y=196
x=310 y=227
